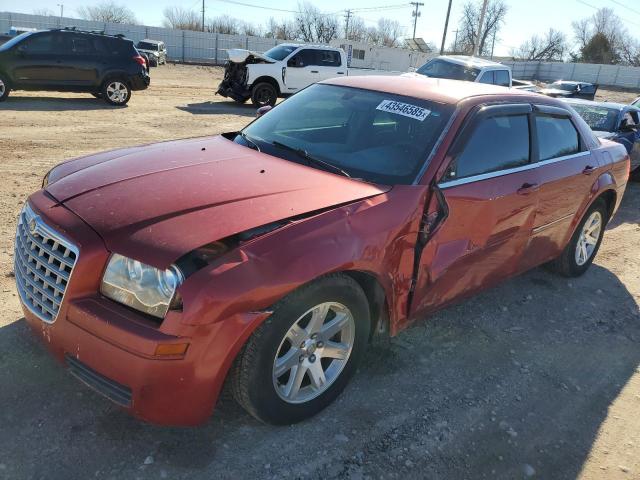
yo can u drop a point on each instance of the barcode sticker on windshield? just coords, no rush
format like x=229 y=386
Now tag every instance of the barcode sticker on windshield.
x=405 y=109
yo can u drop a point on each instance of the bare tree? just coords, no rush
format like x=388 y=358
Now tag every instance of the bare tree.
x=551 y=46
x=251 y=29
x=285 y=30
x=469 y=25
x=389 y=32
x=602 y=37
x=357 y=30
x=314 y=26
x=223 y=24
x=181 y=19
x=45 y=12
x=108 y=11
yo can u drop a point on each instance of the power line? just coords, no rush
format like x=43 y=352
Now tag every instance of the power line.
x=598 y=8
x=416 y=14
x=627 y=7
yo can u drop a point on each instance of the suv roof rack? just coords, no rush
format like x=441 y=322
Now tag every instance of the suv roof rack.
x=94 y=32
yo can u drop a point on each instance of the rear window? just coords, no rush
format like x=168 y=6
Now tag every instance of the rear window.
x=148 y=46
x=439 y=68
x=557 y=137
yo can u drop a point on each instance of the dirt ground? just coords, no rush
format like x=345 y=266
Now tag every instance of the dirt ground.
x=539 y=377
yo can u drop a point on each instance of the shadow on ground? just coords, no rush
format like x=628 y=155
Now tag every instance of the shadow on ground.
x=515 y=380
x=219 y=108
x=54 y=104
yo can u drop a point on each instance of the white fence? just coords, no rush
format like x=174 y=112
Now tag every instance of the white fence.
x=190 y=46
x=612 y=75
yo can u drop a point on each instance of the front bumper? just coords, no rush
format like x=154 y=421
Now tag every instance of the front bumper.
x=112 y=348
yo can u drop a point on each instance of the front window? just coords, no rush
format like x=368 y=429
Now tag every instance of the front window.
x=280 y=52
x=439 y=68
x=569 y=87
x=599 y=118
x=374 y=136
x=148 y=46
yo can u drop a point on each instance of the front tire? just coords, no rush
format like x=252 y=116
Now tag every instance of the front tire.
x=578 y=255
x=264 y=94
x=116 y=92
x=5 y=89
x=302 y=357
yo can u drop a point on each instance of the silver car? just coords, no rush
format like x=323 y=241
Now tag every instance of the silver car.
x=155 y=50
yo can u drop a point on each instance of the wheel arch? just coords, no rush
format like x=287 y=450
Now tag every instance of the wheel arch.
x=267 y=79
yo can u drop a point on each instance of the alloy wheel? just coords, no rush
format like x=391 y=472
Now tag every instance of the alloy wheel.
x=117 y=92
x=588 y=238
x=3 y=87
x=313 y=352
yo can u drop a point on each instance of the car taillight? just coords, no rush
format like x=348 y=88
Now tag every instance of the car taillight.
x=140 y=59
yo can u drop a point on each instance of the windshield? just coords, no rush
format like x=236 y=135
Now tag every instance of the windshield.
x=14 y=40
x=280 y=52
x=374 y=136
x=439 y=68
x=569 y=87
x=599 y=118
x=148 y=46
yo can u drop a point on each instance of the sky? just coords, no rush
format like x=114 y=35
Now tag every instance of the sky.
x=524 y=18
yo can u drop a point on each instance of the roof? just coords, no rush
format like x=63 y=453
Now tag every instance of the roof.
x=308 y=45
x=471 y=61
x=425 y=88
x=613 y=105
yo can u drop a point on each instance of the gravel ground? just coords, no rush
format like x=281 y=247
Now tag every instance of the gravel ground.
x=536 y=378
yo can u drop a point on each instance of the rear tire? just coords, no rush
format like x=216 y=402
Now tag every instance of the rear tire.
x=578 y=255
x=116 y=91
x=264 y=94
x=5 y=89
x=302 y=357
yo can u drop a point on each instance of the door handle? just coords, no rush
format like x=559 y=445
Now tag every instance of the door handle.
x=527 y=188
x=340 y=73
x=314 y=71
x=588 y=170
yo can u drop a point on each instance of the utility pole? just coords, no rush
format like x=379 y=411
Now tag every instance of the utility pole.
x=347 y=17
x=476 y=47
x=455 y=42
x=493 y=43
x=415 y=14
x=203 y=15
x=446 y=25
x=61 y=9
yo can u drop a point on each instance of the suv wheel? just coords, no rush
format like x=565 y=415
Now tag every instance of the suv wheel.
x=302 y=357
x=116 y=91
x=4 y=88
x=578 y=255
x=264 y=94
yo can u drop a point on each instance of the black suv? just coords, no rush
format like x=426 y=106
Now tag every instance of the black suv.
x=68 y=60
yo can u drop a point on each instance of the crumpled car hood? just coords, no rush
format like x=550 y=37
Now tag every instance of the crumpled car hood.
x=607 y=135
x=556 y=91
x=239 y=55
x=158 y=202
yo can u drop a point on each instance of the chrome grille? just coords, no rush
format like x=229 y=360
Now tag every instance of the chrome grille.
x=44 y=260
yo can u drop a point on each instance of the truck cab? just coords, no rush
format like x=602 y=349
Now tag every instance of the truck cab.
x=471 y=69
x=279 y=72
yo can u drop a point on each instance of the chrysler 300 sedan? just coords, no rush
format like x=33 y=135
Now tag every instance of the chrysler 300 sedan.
x=267 y=258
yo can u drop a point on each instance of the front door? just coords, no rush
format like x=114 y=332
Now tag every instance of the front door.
x=36 y=62
x=488 y=197
x=302 y=70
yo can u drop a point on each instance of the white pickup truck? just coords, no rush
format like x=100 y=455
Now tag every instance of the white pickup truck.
x=282 y=71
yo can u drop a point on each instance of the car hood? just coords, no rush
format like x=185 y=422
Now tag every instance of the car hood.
x=158 y=202
x=239 y=55
x=556 y=91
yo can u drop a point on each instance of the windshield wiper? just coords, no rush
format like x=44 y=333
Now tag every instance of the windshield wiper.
x=247 y=139
x=302 y=153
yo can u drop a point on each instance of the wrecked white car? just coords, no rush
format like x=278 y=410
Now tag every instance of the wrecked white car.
x=282 y=71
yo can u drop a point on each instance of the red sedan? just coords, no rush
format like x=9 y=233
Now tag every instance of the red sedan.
x=269 y=257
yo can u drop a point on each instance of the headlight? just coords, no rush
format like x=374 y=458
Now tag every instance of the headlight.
x=141 y=286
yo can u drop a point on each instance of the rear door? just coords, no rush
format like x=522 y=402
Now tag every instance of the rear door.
x=566 y=171
x=488 y=196
x=328 y=63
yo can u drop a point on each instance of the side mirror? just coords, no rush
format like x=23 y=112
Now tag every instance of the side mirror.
x=263 y=110
x=294 y=63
